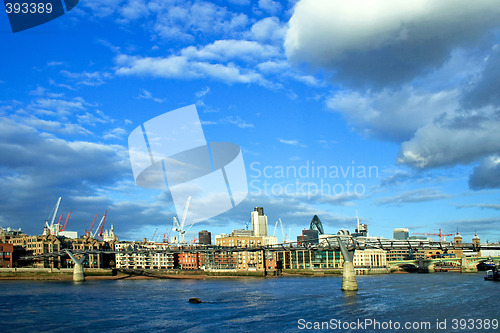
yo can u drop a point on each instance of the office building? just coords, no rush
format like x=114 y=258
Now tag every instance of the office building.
x=309 y=236
x=259 y=222
x=205 y=237
x=400 y=233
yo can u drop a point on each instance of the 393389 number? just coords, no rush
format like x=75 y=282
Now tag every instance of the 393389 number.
x=31 y=8
x=474 y=324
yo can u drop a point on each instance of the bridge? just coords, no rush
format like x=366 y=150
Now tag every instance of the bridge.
x=347 y=245
x=465 y=264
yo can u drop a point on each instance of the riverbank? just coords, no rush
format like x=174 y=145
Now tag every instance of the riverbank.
x=113 y=274
x=141 y=274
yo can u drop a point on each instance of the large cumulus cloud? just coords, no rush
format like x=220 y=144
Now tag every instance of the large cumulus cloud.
x=377 y=43
x=421 y=73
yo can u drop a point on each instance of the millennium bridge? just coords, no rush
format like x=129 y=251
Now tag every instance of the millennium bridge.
x=346 y=244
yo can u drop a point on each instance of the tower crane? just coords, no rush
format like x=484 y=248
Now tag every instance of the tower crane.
x=179 y=227
x=90 y=231
x=100 y=226
x=282 y=232
x=51 y=218
x=65 y=222
x=59 y=222
x=154 y=234
x=166 y=236
x=432 y=234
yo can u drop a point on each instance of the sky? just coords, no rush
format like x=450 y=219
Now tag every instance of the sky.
x=386 y=110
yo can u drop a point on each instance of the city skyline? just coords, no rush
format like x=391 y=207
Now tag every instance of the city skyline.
x=386 y=109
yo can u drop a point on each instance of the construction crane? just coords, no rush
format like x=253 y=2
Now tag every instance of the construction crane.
x=90 y=231
x=179 y=227
x=100 y=227
x=59 y=222
x=154 y=234
x=282 y=232
x=432 y=234
x=52 y=217
x=65 y=222
x=166 y=236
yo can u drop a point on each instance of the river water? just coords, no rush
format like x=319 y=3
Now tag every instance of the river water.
x=440 y=302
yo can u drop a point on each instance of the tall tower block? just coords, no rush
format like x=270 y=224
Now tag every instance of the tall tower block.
x=259 y=222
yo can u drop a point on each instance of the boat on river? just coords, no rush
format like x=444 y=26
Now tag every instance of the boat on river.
x=493 y=274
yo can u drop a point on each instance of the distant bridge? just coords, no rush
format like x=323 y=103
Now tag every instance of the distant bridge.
x=466 y=264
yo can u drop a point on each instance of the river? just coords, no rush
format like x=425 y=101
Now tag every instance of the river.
x=440 y=302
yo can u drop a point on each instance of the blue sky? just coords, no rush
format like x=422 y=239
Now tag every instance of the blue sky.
x=409 y=90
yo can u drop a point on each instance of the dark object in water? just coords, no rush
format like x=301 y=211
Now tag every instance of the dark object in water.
x=493 y=274
x=195 y=300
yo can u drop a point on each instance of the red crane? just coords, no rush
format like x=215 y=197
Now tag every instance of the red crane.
x=101 y=225
x=431 y=234
x=92 y=224
x=166 y=236
x=66 y=222
x=59 y=222
x=154 y=234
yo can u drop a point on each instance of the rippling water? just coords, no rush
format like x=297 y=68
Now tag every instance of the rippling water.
x=245 y=305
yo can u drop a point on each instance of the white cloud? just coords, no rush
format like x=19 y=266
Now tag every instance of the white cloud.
x=181 y=67
x=293 y=142
x=115 y=133
x=269 y=29
x=420 y=195
x=486 y=175
x=270 y=6
x=88 y=78
x=224 y=50
x=184 y=20
x=39 y=167
x=102 y=8
x=203 y=92
x=170 y=67
x=93 y=118
x=379 y=43
x=147 y=95
x=53 y=126
x=456 y=139
x=236 y=120
x=134 y=9
x=289 y=142
x=57 y=107
x=392 y=115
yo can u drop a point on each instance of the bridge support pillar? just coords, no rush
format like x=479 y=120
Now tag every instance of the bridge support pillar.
x=422 y=268
x=78 y=274
x=466 y=268
x=349 y=282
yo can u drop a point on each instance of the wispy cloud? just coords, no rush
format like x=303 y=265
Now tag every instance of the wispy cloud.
x=481 y=205
x=420 y=195
x=88 y=78
x=147 y=95
x=292 y=143
x=236 y=120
